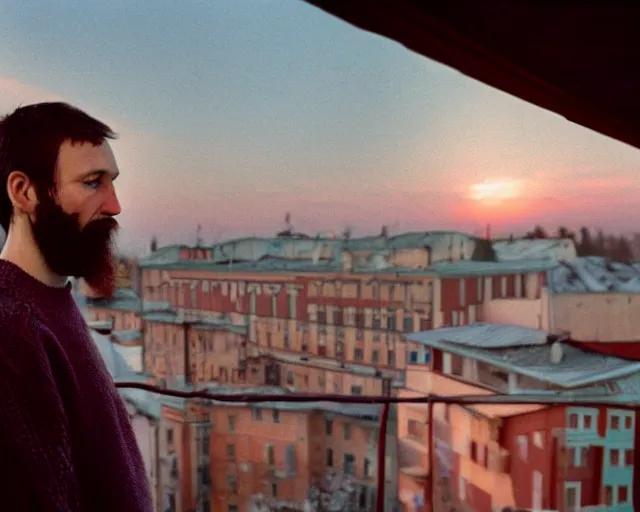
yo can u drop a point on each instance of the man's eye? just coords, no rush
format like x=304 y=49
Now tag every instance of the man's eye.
x=93 y=183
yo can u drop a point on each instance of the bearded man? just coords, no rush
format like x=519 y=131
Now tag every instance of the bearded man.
x=66 y=441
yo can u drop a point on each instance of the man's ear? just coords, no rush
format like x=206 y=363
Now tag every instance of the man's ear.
x=22 y=192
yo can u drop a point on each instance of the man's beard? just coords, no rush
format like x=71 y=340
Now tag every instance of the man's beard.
x=69 y=250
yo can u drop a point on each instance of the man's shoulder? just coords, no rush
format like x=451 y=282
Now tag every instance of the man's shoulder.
x=23 y=336
x=16 y=315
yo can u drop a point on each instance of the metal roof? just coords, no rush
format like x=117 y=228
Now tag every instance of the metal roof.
x=577 y=367
x=483 y=335
x=575 y=59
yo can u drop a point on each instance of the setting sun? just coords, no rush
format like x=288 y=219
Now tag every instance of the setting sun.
x=496 y=190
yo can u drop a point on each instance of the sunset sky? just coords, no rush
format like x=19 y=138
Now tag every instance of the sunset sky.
x=233 y=112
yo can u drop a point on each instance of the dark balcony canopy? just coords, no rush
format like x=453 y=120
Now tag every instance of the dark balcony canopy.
x=577 y=59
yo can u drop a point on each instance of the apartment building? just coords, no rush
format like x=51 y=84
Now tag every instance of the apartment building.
x=344 y=301
x=233 y=456
x=534 y=456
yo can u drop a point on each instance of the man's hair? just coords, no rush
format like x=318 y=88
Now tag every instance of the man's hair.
x=30 y=140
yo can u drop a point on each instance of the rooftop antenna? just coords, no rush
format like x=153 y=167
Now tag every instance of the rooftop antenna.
x=199 y=236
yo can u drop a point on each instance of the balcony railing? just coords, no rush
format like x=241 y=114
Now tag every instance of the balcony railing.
x=344 y=490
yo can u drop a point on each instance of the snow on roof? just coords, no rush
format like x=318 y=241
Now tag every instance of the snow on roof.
x=145 y=401
x=576 y=368
x=554 y=249
x=592 y=274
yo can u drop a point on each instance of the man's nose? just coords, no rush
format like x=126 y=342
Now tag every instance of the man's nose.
x=111 y=206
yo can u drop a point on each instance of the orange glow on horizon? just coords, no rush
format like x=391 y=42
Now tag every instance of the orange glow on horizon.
x=496 y=190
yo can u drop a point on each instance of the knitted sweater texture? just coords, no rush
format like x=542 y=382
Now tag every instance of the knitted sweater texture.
x=66 y=441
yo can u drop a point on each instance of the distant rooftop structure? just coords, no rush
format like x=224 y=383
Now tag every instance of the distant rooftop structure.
x=446 y=253
x=520 y=350
x=592 y=274
x=551 y=249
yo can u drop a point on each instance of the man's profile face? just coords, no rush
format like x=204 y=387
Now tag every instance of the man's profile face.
x=74 y=225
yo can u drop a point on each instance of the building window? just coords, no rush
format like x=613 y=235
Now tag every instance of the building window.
x=523 y=447
x=347 y=432
x=231 y=451
x=376 y=323
x=614 y=457
x=479 y=284
x=391 y=358
x=232 y=483
x=274 y=489
x=356 y=390
x=572 y=496
x=538 y=439
x=322 y=316
x=232 y=508
x=328 y=427
x=473 y=449
x=375 y=356
x=358 y=354
x=391 y=320
x=257 y=414
x=349 y=464
x=329 y=457
x=338 y=317
x=615 y=422
x=587 y=421
x=276 y=416
x=573 y=421
x=169 y=436
x=628 y=458
x=578 y=456
x=503 y=286
x=463 y=292
x=271 y=455
x=518 y=285
x=623 y=494
x=367 y=468
x=231 y=423
x=608 y=495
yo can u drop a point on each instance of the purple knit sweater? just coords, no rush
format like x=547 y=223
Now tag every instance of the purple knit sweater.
x=66 y=442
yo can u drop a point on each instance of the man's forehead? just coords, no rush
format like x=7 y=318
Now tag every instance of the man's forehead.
x=79 y=159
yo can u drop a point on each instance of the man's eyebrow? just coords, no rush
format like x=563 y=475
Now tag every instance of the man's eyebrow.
x=100 y=172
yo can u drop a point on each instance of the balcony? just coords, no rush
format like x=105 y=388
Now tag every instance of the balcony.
x=323 y=449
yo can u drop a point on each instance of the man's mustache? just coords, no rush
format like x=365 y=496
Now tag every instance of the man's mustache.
x=104 y=225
